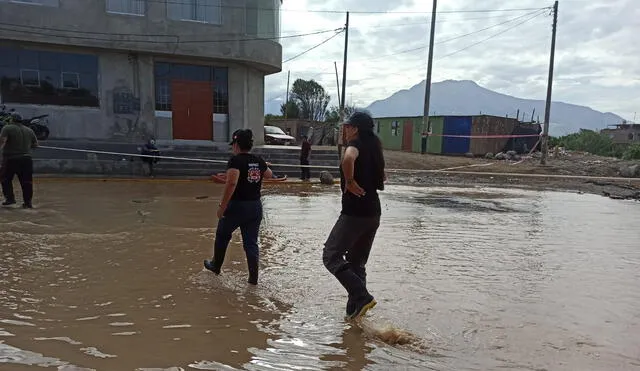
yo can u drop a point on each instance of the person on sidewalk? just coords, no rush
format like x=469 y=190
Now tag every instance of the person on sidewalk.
x=347 y=248
x=150 y=149
x=241 y=206
x=305 y=150
x=16 y=144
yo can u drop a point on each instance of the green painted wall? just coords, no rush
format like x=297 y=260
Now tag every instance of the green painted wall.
x=391 y=139
x=434 y=143
x=394 y=142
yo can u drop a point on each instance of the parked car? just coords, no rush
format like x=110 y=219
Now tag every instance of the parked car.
x=275 y=135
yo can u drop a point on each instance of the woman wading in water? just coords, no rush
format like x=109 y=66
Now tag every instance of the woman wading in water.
x=347 y=248
x=241 y=206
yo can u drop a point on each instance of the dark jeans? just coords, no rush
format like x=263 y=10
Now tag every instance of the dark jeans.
x=306 y=172
x=150 y=162
x=246 y=215
x=23 y=168
x=347 y=249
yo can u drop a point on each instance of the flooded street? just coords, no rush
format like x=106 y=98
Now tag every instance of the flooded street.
x=109 y=276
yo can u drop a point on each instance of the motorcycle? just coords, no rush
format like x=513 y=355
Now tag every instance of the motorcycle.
x=37 y=124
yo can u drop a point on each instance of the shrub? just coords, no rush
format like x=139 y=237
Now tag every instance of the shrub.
x=632 y=152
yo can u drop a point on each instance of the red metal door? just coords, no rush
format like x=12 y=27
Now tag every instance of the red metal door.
x=192 y=106
x=407 y=136
x=180 y=103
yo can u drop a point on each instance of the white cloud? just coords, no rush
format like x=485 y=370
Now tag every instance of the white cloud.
x=596 y=55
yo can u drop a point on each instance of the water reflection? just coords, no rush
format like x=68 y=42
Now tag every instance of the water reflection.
x=109 y=276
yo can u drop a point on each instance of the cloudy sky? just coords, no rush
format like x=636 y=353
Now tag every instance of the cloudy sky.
x=596 y=53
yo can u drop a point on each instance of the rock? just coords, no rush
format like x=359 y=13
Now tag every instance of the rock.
x=469 y=155
x=536 y=154
x=632 y=171
x=511 y=153
x=516 y=158
x=489 y=156
x=501 y=156
x=326 y=178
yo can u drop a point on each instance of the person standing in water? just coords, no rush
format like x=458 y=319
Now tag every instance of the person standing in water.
x=347 y=248
x=241 y=206
x=16 y=144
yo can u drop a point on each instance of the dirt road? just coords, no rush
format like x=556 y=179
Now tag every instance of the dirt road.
x=489 y=172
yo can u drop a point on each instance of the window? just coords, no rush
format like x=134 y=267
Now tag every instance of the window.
x=134 y=7
x=30 y=78
x=44 y=77
x=206 y=11
x=262 y=18
x=70 y=80
x=274 y=130
x=166 y=72
x=394 y=128
x=378 y=127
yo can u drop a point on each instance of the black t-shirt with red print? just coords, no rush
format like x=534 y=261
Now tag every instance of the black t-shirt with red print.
x=251 y=169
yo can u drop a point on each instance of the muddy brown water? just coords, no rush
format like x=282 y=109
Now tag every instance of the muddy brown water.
x=108 y=276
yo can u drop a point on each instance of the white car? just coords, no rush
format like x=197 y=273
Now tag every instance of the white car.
x=275 y=135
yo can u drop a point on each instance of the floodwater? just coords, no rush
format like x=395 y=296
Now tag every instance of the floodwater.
x=108 y=276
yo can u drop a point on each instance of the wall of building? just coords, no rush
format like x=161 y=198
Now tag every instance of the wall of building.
x=88 y=24
x=117 y=73
x=624 y=135
x=124 y=73
x=390 y=131
x=451 y=125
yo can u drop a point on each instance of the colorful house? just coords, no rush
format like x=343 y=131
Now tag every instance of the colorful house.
x=457 y=135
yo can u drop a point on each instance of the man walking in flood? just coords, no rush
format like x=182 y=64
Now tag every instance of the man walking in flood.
x=16 y=144
x=304 y=158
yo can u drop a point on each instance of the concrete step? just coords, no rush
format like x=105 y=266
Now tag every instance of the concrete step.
x=110 y=167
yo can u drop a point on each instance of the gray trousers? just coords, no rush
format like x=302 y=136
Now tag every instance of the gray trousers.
x=347 y=249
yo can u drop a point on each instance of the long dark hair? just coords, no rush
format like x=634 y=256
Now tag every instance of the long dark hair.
x=373 y=143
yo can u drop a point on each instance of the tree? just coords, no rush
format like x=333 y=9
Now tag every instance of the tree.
x=269 y=117
x=311 y=98
x=290 y=110
x=333 y=114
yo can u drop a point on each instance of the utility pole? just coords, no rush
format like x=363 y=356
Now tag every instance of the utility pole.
x=335 y=65
x=344 y=84
x=286 y=102
x=547 y=112
x=427 y=90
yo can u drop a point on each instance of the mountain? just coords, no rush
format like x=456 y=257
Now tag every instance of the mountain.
x=465 y=97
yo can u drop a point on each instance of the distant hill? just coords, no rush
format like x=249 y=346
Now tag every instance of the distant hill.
x=465 y=97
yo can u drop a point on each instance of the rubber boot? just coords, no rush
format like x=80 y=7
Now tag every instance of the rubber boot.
x=252 y=264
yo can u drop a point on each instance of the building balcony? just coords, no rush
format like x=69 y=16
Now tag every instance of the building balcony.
x=241 y=31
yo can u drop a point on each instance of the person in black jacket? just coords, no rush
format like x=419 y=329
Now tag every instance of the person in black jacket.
x=241 y=206
x=347 y=248
x=305 y=150
x=150 y=149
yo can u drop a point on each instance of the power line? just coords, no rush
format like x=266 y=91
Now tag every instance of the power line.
x=177 y=2
x=426 y=22
x=322 y=72
x=448 y=40
x=491 y=37
x=313 y=47
x=486 y=28
x=128 y=34
x=403 y=73
x=178 y=38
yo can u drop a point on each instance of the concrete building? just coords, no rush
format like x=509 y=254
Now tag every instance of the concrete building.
x=624 y=134
x=127 y=70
